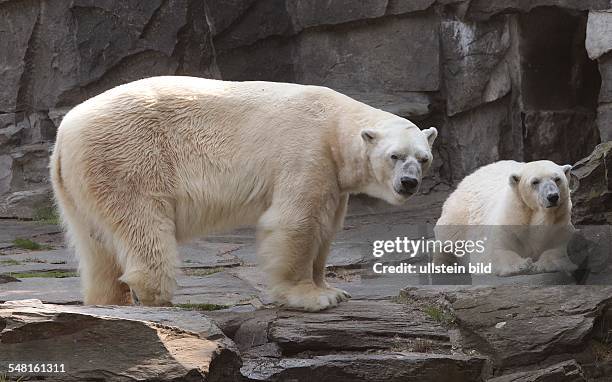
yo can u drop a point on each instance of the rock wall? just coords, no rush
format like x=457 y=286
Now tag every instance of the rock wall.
x=515 y=79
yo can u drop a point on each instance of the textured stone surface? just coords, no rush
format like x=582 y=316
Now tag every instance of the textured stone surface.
x=592 y=200
x=366 y=59
x=394 y=367
x=538 y=322
x=147 y=344
x=485 y=125
x=474 y=68
x=563 y=136
x=423 y=60
x=599 y=34
x=483 y=9
x=568 y=371
x=381 y=326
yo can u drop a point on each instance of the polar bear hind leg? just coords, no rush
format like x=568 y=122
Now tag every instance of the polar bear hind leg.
x=98 y=265
x=147 y=243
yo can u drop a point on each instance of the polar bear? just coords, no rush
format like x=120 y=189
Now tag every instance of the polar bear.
x=157 y=161
x=522 y=209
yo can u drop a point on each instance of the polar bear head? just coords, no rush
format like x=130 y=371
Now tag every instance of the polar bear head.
x=542 y=184
x=399 y=153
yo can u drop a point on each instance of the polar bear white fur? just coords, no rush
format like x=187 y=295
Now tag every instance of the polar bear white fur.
x=507 y=200
x=157 y=161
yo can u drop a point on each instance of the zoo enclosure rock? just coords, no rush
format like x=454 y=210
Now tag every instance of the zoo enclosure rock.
x=592 y=199
x=463 y=66
x=117 y=343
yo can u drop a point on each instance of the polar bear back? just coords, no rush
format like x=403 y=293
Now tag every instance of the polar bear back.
x=190 y=142
x=480 y=196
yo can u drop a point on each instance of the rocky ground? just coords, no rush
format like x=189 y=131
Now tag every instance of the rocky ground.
x=224 y=328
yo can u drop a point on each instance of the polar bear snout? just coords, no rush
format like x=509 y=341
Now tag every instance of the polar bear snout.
x=409 y=185
x=549 y=194
x=553 y=199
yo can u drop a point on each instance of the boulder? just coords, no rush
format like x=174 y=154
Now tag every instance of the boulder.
x=524 y=325
x=392 y=367
x=485 y=9
x=366 y=60
x=485 y=125
x=592 y=197
x=568 y=371
x=371 y=340
x=382 y=325
x=562 y=136
x=599 y=33
x=117 y=343
x=475 y=71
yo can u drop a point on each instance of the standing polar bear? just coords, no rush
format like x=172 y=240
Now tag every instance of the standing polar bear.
x=157 y=161
x=504 y=202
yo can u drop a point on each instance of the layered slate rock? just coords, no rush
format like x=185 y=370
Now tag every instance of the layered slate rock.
x=117 y=344
x=568 y=371
x=521 y=326
x=373 y=340
x=392 y=367
x=592 y=198
x=475 y=71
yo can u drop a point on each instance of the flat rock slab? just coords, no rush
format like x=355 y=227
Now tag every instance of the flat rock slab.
x=52 y=290
x=220 y=288
x=568 y=371
x=204 y=254
x=117 y=344
x=357 y=325
x=392 y=367
x=12 y=229
x=39 y=261
x=522 y=325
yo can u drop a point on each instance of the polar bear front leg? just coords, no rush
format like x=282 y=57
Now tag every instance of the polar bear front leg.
x=320 y=261
x=555 y=260
x=509 y=263
x=289 y=242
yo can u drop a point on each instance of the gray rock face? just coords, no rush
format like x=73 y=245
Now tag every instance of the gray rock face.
x=475 y=69
x=117 y=344
x=592 y=200
x=359 y=340
x=568 y=371
x=366 y=59
x=528 y=333
x=599 y=34
x=394 y=367
x=482 y=9
x=552 y=135
x=523 y=325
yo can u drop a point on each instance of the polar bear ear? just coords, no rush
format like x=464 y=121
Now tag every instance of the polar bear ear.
x=566 y=169
x=514 y=180
x=368 y=135
x=431 y=135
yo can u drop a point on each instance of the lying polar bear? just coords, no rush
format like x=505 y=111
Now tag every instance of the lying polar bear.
x=522 y=209
x=157 y=161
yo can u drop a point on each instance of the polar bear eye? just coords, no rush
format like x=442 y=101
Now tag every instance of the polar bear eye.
x=394 y=156
x=535 y=182
x=423 y=159
x=557 y=179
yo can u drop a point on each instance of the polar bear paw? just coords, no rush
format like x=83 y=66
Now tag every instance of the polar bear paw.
x=557 y=265
x=521 y=267
x=311 y=298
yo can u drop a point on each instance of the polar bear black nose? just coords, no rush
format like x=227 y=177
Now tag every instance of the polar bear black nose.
x=553 y=197
x=408 y=182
